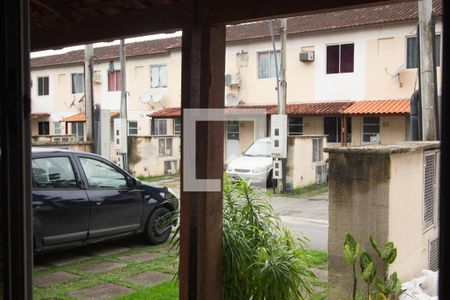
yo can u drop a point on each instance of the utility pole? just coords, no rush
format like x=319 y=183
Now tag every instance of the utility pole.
x=427 y=82
x=123 y=106
x=88 y=92
x=281 y=184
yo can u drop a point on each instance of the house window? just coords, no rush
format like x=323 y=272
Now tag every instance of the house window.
x=159 y=126
x=170 y=167
x=266 y=64
x=77 y=83
x=43 y=128
x=57 y=128
x=114 y=81
x=430 y=189
x=233 y=130
x=43 y=84
x=412 y=51
x=177 y=126
x=77 y=129
x=317 y=145
x=165 y=147
x=371 y=130
x=158 y=76
x=132 y=127
x=332 y=128
x=340 y=58
x=295 y=126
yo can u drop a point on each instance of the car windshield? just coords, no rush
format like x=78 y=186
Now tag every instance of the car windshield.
x=260 y=148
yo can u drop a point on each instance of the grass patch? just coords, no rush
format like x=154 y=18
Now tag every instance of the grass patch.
x=158 y=178
x=306 y=191
x=164 y=291
x=318 y=258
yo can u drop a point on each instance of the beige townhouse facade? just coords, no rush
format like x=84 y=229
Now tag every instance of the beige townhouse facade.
x=344 y=72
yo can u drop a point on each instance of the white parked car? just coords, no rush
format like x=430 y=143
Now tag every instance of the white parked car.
x=254 y=165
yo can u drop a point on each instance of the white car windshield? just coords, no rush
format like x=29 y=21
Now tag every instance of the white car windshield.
x=260 y=148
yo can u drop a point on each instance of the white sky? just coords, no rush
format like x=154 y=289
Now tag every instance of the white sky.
x=102 y=44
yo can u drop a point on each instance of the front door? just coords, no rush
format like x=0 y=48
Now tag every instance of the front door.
x=233 y=140
x=116 y=207
x=60 y=205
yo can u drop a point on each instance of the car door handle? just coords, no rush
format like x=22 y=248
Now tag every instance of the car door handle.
x=38 y=203
x=98 y=202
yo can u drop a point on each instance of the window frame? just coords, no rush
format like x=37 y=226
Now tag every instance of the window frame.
x=437 y=34
x=116 y=83
x=338 y=124
x=339 y=58
x=436 y=194
x=175 y=131
x=293 y=125
x=156 y=128
x=134 y=128
x=45 y=79
x=76 y=124
x=117 y=169
x=165 y=139
x=238 y=132
x=56 y=127
x=56 y=155
x=160 y=82
x=73 y=75
x=319 y=156
x=39 y=128
x=362 y=129
x=270 y=52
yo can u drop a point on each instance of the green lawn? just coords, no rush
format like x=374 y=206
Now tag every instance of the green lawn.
x=159 y=178
x=303 y=192
x=165 y=291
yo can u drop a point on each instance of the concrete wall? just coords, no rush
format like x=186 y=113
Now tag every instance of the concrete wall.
x=376 y=190
x=143 y=155
x=72 y=145
x=301 y=170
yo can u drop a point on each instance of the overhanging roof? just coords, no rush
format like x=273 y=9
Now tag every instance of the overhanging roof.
x=381 y=107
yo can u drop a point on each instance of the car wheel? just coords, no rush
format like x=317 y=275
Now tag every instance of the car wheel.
x=158 y=226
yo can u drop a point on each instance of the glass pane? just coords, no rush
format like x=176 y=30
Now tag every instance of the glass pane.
x=273 y=66
x=263 y=65
x=102 y=175
x=371 y=120
x=437 y=49
x=162 y=147
x=333 y=59
x=295 y=121
x=118 y=79
x=371 y=129
x=111 y=83
x=154 y=77
x=169 y=147
x=412 y=53
x=330 y=128
x=347 y=58
x=295 y=129
x=54 y=172
x=163 y=76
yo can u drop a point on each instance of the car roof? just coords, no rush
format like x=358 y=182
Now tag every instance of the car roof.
x=37 y=150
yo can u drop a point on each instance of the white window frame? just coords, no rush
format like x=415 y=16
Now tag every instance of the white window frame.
x=77 y=89
x=41 y=90
x=340 y=46
x=57 y=128
x=272 y=73
x=130 y=127
x=157 y=127
x=161 y=80
x=167 y=151
x=436 y=154
x=175 y=125
x=317 y=155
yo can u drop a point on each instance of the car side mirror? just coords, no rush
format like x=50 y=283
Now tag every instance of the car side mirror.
x=137 y=183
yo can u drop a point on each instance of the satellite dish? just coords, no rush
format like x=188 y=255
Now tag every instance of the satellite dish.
x=232 y=99
x=156 y=97
x=146 y=97
x=397 y=71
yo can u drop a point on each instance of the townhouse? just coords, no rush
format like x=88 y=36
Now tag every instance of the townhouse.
x=350 y=75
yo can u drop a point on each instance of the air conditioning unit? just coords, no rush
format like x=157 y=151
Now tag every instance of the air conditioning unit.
x=232 y=79
x=97 y=77
x=306 y=56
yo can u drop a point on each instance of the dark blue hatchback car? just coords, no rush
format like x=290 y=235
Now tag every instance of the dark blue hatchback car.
x=81 y=198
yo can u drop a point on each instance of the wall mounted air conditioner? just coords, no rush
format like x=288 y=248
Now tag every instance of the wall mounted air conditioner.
x=232 y=80
x=97 y=77
x=306 y=56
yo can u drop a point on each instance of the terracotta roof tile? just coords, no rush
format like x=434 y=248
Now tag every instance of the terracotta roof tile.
x=379 y=107
x=389 y=13
x=37 y=116
x=81 y=117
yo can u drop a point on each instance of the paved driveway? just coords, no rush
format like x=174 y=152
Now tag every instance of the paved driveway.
x=307 y=217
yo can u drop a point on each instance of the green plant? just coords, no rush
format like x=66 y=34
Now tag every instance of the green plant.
x=351 y=252
x=262 y=260
x=385 y=287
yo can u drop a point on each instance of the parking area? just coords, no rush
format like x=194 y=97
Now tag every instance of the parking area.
x=128 y=269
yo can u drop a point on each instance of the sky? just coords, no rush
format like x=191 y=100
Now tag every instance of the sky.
x=103 y=44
